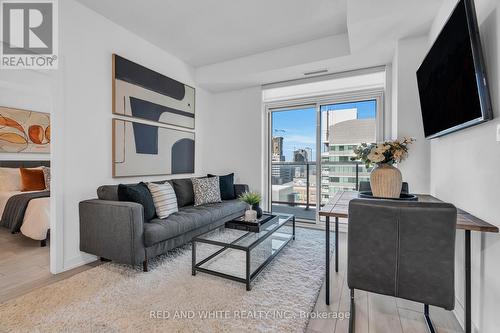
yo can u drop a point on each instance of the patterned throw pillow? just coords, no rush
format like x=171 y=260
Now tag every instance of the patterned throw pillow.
x=206 y=190
x=164 y=199
x=46 y=176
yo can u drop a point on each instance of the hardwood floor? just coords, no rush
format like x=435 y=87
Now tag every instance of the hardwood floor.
x=374 y=313
x=24 y=265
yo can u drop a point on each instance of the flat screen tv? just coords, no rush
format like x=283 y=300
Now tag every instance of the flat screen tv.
x=452 y=78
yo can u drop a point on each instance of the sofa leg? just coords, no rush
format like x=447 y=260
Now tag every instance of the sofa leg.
x=145 y=265
x=351 y=314
x=105 y=259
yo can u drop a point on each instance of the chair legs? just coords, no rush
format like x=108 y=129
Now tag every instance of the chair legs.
x=351 y=314
x=427 y=318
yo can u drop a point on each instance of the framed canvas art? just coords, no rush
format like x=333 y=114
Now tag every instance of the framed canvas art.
x=144 y=150
x=23 y=131
x=143 y=93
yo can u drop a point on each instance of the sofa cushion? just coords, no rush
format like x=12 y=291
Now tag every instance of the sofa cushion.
x=138 y=193
x=110 y=192
x=206 y=190
x=226 y=184
x=164 y=199
x=184 y=191
x=189 y=218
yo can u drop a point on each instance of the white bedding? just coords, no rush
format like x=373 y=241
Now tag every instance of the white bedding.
x=36 y=221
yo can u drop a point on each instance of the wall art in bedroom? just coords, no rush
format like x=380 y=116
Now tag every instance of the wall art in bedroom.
x=143 y=93
x=145 y=150
x=23 y=131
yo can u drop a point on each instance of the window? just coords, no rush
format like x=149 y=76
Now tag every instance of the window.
x=328 y=146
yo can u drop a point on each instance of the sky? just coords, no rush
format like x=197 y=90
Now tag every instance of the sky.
x=298 y=126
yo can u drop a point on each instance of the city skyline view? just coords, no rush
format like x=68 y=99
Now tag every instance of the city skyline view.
x=297 y=127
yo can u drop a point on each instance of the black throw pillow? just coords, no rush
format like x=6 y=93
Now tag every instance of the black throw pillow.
x=226 y=184
x=138 y=193
x=183 y=189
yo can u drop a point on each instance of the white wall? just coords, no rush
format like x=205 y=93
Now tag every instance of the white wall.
x=406 y=118
x=82 y=160
x=29 y=90
x=464 y=171
x=233 y=140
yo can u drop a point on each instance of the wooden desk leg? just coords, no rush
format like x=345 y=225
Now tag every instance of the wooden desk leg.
x=327 y=256
x=336 y=244
x=467 y=283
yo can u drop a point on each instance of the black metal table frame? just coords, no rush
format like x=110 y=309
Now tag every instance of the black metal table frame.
x=467 y=269
x=327 y=224
x=249 y=277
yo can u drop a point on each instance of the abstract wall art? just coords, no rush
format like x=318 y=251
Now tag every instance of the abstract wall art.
x=23 y=131
x=143 y=93
x=143 y=150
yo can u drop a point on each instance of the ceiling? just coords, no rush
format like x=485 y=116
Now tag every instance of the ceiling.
x=202 y=32
x=234 y=44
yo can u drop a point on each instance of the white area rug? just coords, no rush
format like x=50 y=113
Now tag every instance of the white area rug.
x=117 y=298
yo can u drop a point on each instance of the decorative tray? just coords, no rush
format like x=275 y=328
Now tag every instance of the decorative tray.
x=254 y=226
x=403 y=196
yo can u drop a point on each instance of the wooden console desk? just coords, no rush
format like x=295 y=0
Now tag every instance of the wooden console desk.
x=338 y=207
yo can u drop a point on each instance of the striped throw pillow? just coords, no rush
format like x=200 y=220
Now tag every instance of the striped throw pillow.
x=164 y=199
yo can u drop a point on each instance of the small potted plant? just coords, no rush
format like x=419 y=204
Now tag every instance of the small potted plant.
x=385 y=179
x=253 y=200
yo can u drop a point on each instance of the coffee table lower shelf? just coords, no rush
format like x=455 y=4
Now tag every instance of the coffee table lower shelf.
x=278 y=240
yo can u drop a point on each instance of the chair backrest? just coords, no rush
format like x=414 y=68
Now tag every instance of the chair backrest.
x=403 y=249
x=365 y=186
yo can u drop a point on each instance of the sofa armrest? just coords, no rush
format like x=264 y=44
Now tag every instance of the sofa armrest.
x=112 y=230
x=239 y=189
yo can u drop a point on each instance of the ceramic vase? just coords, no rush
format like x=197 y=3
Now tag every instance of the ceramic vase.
x=386 y=181
x=257 y=208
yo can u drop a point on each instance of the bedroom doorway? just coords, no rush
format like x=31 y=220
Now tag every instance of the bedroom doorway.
x=24 y=226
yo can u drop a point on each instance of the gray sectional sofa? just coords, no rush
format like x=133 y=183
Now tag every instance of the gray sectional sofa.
x=116 y=230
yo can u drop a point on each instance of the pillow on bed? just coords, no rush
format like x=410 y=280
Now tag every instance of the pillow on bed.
x=10 y=179
x=46 y=177
x=32 y=179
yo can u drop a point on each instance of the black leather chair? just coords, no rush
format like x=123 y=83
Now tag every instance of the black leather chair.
x=403 y=249
x=365 y=186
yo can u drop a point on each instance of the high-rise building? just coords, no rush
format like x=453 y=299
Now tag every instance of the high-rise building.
x=344 y=137
x=277 y=149
x=300 y=155
x=309 y=154
x=281 y=173
x=330 y=118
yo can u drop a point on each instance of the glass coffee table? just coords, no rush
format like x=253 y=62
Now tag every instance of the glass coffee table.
x=241 y=255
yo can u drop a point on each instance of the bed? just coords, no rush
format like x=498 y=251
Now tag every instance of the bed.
x=25 y=212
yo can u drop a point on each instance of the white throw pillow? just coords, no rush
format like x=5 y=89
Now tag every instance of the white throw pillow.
x=164 y=199
x=10 y=179
x=206 y=190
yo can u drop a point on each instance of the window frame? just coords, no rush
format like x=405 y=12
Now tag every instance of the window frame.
x=377 y=94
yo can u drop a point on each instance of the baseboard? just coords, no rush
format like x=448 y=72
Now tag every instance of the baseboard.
x=78 y=261
x=458 y=311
